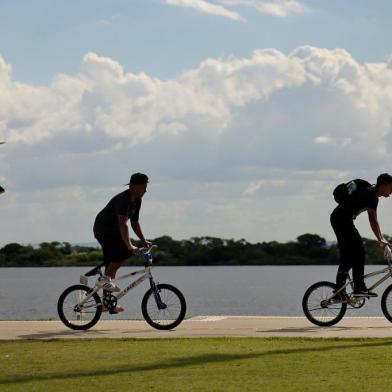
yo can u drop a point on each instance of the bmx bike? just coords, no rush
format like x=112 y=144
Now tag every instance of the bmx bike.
x=163 y=305
x=324 y=304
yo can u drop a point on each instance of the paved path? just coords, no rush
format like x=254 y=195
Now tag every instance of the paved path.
x=202 y=326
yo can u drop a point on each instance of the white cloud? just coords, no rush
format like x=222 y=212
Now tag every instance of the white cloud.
x=104 y=23
x=107 y=105
x=173 y=127
x=322 y=140
x=255 y=186
x=131 y=108
x=281 y=8
x=206 y=7
x=107 y=21
x=263 y=132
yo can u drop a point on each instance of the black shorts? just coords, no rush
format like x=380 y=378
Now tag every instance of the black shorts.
x=113 y=247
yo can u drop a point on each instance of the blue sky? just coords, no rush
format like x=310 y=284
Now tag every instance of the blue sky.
x=244 y=113
x=43 y=38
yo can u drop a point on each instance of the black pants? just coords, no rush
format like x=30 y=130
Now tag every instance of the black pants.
x=352 y=251
x=112 y=243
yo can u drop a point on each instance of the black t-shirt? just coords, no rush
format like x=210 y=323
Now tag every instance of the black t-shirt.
x=360 y=199
x=120 y=204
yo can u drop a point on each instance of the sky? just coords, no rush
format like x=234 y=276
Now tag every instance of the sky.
x=245 y=114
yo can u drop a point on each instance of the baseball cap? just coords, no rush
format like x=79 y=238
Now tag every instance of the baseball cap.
x=138 y=179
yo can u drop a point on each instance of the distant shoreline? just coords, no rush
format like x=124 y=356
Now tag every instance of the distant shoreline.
x=308 y=250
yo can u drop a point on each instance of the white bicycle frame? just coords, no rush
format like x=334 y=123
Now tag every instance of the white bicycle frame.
x=386 y=270
x=146 y=275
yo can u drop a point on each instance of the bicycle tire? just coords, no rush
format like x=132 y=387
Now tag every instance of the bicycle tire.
x=384 y=304
x=155 y=322
x=69 y=323
x=328 y=321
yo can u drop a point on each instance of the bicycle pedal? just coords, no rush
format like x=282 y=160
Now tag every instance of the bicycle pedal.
x=119 y=310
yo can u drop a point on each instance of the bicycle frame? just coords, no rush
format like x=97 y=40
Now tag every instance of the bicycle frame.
x=146 y=275
x=386 y=270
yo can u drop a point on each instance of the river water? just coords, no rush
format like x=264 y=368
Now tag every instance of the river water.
x=32 y=293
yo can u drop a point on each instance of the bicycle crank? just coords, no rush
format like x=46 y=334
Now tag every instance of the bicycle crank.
x=109 y=301
x=356 y=302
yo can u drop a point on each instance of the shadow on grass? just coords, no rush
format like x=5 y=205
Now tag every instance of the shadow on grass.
x=184 y=362
x=319 y=330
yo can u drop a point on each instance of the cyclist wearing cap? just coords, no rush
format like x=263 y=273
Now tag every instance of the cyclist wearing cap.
x=354 y=198
x=111 y=229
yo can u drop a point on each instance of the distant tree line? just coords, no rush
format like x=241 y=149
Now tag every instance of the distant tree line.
x=308 y=249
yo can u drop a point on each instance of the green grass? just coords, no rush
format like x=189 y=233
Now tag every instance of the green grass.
x=224 y=364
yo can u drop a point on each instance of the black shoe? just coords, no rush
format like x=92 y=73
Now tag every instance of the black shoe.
x=364 y=293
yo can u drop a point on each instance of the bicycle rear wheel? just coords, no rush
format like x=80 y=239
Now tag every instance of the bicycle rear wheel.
x=319 y=308
x=79 y=317
x=173 y=309
x=386 y=303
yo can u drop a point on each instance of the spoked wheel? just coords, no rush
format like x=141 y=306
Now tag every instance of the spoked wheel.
x=165 y=308
x=75 y=316
x=319 y=308
x=386 y=303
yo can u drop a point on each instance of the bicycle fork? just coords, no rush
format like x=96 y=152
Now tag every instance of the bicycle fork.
x=157 y=296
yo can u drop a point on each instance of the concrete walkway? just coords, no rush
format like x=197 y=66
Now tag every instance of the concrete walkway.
x=202 y=326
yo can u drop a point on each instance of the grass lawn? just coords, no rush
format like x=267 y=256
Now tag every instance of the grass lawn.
x=209 y=364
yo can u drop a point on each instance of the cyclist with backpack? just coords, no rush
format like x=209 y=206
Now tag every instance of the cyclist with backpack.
x=354 y=198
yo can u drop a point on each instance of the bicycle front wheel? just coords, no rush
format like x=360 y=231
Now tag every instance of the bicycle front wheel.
x=386 y=303
x=164 y=308
x=75 y=316
x=318 y=306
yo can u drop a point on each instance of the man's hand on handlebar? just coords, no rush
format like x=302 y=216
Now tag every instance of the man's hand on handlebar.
x=145 y=249
x=146 y=244
x=383 y=243
x=133 y=249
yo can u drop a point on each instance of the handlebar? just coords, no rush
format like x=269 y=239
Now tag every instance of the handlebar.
x=146 y=249
x=146 y=253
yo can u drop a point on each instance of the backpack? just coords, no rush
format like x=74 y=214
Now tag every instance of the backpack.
x=343 y=191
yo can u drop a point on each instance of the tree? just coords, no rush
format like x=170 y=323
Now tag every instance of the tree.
x=311 y=241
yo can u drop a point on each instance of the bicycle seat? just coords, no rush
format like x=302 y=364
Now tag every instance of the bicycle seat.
x=95 y=271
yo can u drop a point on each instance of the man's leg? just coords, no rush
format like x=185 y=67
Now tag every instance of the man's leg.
x=359 y=256
x=344 y=264
x=111 y=268
x=342 y=231
x=110 y=271
x=352 y=255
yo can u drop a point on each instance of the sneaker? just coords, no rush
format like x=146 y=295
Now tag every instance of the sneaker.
x=364 y=293
x=106 y=283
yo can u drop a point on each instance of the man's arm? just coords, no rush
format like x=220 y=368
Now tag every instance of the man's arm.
x=122 y=223
x=376 y=227
x=138 y=231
